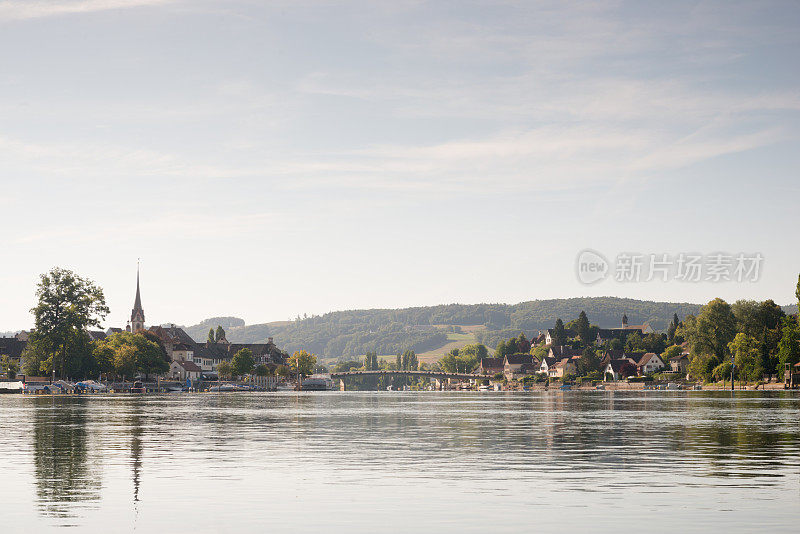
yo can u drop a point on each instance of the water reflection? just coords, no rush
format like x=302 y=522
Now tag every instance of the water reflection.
x=64 y=475
x=207 y=458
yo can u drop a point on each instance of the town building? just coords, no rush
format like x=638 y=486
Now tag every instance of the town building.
x=491 y=366
x=680 y=363
x=12 y=347
x=188 y=358
x=518 y=365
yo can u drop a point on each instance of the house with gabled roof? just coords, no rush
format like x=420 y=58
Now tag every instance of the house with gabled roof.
x=650 y=363
x=680 y=363
x=491 y=366
x=565 y=366
x=548 y=335
x=518 y=365
x=183 y=370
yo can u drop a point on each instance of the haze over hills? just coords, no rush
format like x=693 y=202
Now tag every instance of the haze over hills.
x=432 y=329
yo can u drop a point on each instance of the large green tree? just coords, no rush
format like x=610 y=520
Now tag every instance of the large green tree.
x=129 y=354
x=243 y=362
x=371 y=361
x=715 y=328
x=67 y=305
x=789 y=345
x=589 y=362
x=559 y=336
x=673 y=327
x=583 y=328
x=747 y=357
x=302 y=363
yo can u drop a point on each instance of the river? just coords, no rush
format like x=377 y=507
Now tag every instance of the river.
x=656 y=461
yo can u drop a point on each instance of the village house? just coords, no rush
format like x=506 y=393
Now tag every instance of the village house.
x=183 y=370
x=614 y=368
x=562 y=351
x=12 y=347
x=547 y=363
x=491 y=366
x=650 y=363
x=518 y=365
x=680 y=363
x=642 y=363
x=564 y=367
x=548 y=336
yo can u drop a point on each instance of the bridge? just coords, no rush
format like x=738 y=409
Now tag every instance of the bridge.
x=422 y=374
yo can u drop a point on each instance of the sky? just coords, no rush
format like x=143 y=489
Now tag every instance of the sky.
x=271 y=159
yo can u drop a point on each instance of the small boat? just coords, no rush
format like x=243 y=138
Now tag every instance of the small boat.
x=565 y=387
x=485 y=388
x=673 y=386
x=138 y=387
x=599 y=386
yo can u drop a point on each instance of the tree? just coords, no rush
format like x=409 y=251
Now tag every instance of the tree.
x=501 y=350
x=371 y=361
x=126 y=354
x=211 y=335
x=125 y=361
x=583 y=328
x=634 y=342
x=220 y=334
x=243 y=362
x=627 y=369
x=67 y=306
x=722 y=372
x=262 y=370
x=671 y=352
x=797 y=293
x=673 y=327
x=523 y=345
x=701 y=367
x=477 y=351
x=225 y=369
x=559 y=336
x=747 y=354
x=9 y=367
x=588 y=362
x=282 y=370
x=458 y=361
x=302 y=363
x=715 y=329
x=789 y=345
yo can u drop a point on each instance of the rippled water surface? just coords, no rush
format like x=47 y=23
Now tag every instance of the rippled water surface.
x=399 y=462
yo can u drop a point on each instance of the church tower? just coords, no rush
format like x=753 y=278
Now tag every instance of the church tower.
x=137 y=314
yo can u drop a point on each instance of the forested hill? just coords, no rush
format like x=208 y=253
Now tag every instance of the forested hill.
x=345 y=334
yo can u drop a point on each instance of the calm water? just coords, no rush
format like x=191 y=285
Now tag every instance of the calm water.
x=399 y=462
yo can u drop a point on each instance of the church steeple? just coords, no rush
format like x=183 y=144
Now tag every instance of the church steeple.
x=137 y=314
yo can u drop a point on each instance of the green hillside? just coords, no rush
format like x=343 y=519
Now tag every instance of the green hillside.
x=348 y=334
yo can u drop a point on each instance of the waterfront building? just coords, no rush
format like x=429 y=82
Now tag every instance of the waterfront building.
x=518 y=365
x=680 y=363
x=12 y=347
x=491 y=366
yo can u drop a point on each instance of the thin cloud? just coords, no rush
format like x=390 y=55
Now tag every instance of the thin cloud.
x=30 y=9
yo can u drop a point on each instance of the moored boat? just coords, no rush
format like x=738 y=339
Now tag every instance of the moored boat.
x=317 y=382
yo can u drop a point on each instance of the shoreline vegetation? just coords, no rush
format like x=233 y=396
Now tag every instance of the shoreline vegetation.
x=754 y=343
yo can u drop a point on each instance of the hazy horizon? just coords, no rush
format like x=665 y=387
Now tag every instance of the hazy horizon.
x=266 y=161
